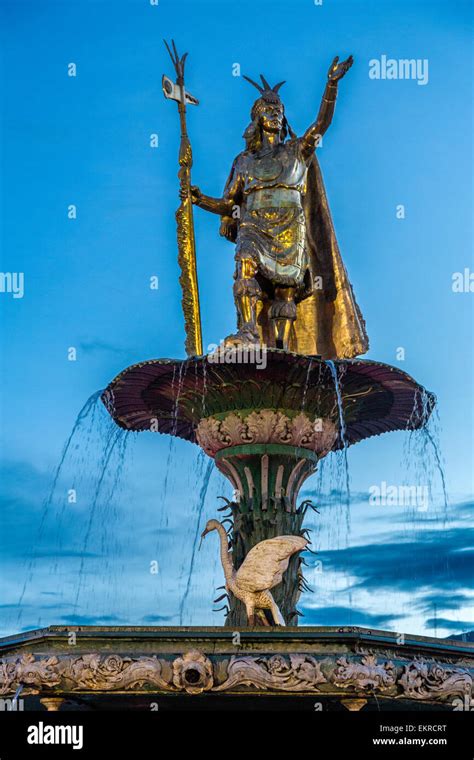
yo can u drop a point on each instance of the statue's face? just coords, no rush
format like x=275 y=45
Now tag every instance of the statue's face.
x=271 y=117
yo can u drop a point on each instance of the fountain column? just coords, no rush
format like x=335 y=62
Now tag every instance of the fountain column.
x=267 y=456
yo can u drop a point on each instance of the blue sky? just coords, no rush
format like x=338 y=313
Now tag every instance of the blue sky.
x=85 y=140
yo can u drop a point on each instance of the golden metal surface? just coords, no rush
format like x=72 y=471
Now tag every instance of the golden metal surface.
x=184 y=215
x=284 y=227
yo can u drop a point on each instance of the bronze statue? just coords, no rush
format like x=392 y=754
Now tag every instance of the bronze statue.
x=291 y=287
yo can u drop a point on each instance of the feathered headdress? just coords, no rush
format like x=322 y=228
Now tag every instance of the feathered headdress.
x=269 y=94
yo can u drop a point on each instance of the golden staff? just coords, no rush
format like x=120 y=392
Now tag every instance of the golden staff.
x=184 y=214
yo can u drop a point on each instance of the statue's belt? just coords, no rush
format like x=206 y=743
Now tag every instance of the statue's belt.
x=277 y=197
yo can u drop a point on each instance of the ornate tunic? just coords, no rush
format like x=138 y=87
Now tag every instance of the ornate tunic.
x=272 y=224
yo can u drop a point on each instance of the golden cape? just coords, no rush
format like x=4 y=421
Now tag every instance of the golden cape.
x=329 y=321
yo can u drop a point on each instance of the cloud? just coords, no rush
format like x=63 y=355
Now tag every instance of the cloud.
x=94 y=345
x=91 y=620
x=158 y=618
x=345 y=616
x=450 y=625
x=443 y=560
x=332 y=498
x=451 y=601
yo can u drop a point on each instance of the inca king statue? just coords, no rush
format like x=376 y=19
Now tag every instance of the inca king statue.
x=291 y=287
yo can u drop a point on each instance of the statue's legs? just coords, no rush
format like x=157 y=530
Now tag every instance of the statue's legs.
x=247 y=293
x=283 y=314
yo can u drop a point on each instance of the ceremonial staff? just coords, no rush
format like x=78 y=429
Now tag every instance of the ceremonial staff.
x=184 y=214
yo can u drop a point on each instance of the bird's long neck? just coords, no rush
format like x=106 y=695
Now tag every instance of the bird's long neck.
x=225 y=554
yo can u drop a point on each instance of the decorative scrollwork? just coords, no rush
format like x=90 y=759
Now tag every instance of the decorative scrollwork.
x=194 y=673
x=88 y=672
x=422 y=680
x=366 y=674
x=297 y=673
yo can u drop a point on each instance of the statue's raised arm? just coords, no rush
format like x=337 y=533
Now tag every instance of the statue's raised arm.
x=326 y=111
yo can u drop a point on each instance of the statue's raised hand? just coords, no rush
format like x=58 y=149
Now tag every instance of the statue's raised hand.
x=338 y=70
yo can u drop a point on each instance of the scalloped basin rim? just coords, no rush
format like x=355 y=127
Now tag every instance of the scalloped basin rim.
x=171 y=396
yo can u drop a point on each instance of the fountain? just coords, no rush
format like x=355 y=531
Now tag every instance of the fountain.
x=266 y=406
x=266 y=430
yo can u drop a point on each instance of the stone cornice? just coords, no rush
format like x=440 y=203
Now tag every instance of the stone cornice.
x=194 y=672
x=344 y=662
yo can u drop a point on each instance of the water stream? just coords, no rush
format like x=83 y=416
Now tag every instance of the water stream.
x=342 y=434
x=198 y=527
x=422 y=461
x=83 y=494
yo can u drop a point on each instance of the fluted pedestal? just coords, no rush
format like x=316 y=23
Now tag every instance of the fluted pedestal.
x=266 y=479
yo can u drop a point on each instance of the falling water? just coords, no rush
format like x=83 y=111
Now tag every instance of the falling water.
x=306 y=384
x=86 y=413
x=181 y=375
x=422 y=456
x=439 y=466
x=84 y=420
x=342 y=433
x=18 y=691
x=328 y=491
x=176 y=393
x=422 y=464
x=94 y=438
x=197 y=528
x=113 y=440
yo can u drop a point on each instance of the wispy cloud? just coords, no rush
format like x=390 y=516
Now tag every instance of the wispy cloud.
x=345 y=616
x=443 y=602
x=450 y=625
x=443 y=560
x=96 y=345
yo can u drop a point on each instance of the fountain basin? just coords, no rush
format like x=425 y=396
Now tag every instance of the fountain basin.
x=173 y=396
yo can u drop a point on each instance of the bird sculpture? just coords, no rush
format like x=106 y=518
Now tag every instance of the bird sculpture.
x=261 y=570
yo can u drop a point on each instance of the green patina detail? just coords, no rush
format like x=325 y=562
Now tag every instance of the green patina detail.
x=250 y=456
x=286 y=450
x=249 y=395
x=225 y=394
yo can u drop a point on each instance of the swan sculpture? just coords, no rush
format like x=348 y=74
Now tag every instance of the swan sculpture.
x=261 y=570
